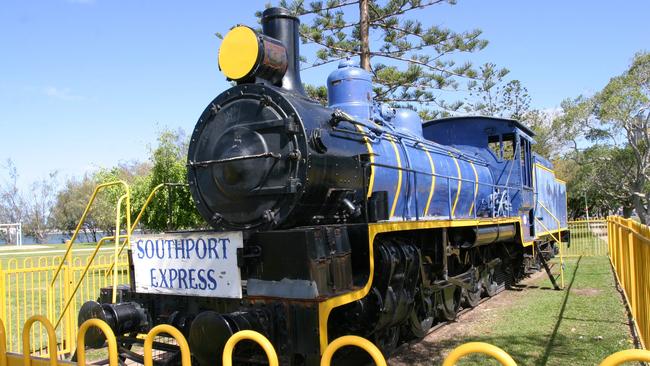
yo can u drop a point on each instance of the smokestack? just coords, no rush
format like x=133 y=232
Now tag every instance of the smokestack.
x=278 y=23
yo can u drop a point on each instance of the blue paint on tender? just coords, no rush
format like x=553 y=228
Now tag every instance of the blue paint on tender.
x=551 y=193
x=454 y=144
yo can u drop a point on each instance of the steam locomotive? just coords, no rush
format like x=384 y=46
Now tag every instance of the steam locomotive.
x=351 y=218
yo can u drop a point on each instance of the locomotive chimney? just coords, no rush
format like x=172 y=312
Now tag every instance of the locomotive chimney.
x=278 y=23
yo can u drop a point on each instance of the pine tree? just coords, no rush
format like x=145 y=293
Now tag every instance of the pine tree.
x=412 y=63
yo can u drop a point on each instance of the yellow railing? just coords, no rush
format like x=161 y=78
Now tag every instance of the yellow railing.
x=250 y=335
x=126 y=196
x=149 y=199
x=57 y=286
x=479 y=347
x=355 y=341
x=27 y=356
x=120 y=241
x=588 y=238
x=629 y=252
x=24 y=287
x=69 y=292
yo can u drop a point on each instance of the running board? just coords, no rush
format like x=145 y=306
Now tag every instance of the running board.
x=540 y=255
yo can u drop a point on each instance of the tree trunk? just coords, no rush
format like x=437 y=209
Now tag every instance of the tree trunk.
x=627 y=212
x=364 y=31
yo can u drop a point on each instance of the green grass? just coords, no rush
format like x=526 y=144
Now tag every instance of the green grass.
x=18 y=256
x=578 y=326
x=587 y=240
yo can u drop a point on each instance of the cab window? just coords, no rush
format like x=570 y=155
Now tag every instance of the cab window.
x=503 y=146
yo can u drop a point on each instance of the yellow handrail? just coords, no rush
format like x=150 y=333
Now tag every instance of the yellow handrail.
x=479 y=347
x=176 y=334
x=83 y=219
x=117 y=243
x=137 y=221
x=356 y=341
x=51 y=340
x=83 y=274
x=628 y=355
x=110 y=338
x=253 y=336
x=126 y=197
x=558 y=239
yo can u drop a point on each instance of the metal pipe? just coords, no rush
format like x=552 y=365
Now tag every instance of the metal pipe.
x=280 y=24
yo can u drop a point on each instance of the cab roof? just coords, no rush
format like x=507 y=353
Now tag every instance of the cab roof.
x=510 y=122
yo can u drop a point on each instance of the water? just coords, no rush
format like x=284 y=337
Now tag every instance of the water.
x=56 y=238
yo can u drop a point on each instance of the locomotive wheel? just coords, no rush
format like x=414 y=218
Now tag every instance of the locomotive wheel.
x=489 y=283
x=450 y=304
x=387 y=339
x=472 y=296
x=421 y=318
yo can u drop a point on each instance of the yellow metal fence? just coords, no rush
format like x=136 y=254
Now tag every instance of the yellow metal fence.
x=588 y=238
x=629 y=248
x=25 y=290
x=26 y=359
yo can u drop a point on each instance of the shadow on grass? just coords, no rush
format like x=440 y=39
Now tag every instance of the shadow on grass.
x=567 y=292
x=539 y=347
x=433 y=353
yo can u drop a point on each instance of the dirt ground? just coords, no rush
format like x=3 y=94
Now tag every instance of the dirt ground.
x=434 y=347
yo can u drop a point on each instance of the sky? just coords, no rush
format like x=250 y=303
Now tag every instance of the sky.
x=90 y=83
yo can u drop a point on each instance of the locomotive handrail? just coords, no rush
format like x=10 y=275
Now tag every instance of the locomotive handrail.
x=205 y=163
x=117 y=242
x=449 y=178
x=83 y=219
x=66 y=259
x=558 y=239
x=479 y=347
x=135 y=223
x=355 y=341
x=83 y=274
x=253 y=336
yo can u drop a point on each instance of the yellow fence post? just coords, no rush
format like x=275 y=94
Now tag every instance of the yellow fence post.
x=628 y=355
x=51 y=340
x=3 y=344
x=479 y=347
x=3 y=299
x=110 y=338
x=356 y=341
x=176 y=334
x=253 y=336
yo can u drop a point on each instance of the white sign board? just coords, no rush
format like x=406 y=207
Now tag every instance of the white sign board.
x=197 y=264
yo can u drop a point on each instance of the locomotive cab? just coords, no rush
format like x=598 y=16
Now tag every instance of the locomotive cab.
x=506 y=145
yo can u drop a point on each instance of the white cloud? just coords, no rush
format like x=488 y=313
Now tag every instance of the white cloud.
x=59 y=93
